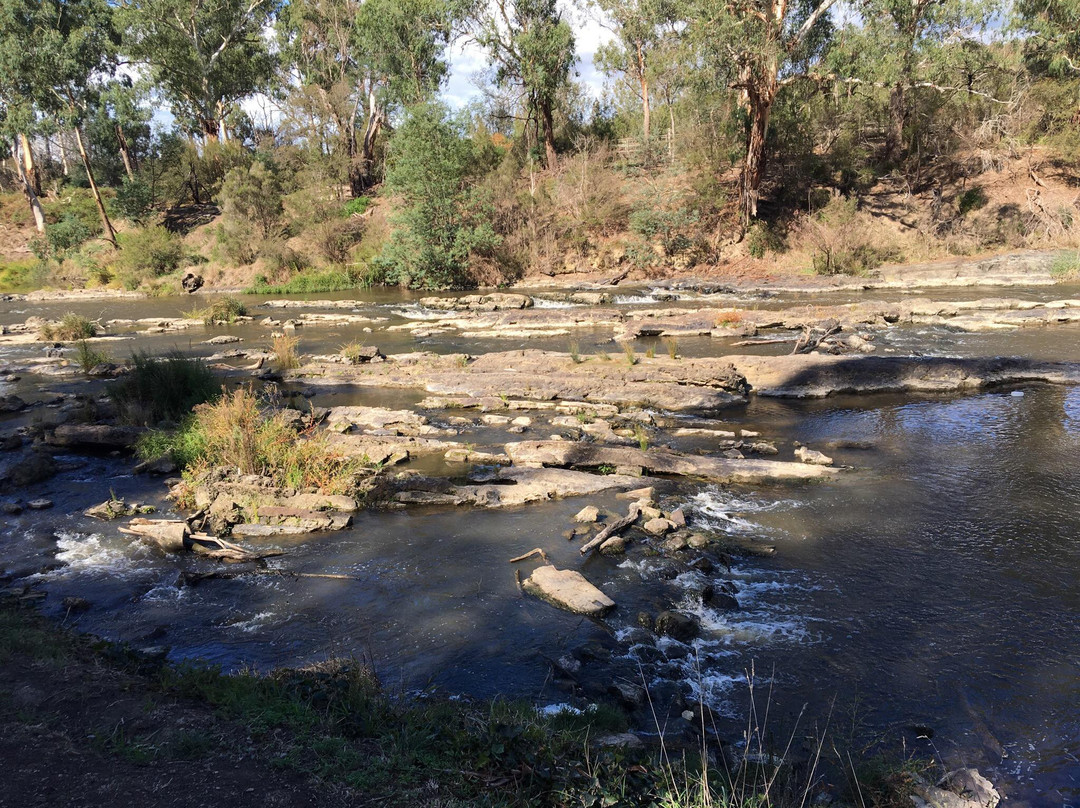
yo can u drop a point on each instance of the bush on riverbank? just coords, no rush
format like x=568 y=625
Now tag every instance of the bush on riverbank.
x=162 y=388
x=237 y=432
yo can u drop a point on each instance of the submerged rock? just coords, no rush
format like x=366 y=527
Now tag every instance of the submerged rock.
x=568 y=590
x=812 y=456
x=676 y=625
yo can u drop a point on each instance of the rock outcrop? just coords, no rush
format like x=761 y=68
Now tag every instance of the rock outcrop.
x=568 y=590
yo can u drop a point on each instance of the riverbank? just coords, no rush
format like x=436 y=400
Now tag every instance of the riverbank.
x=87 y=723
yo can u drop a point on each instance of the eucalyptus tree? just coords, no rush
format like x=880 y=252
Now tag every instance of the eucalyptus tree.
x=356 y=60
x=641 y=28
x=904 y=46
x=53 y=55
x=1051 y=30
x=759 y=47
x=532 y=49
x=205 y=55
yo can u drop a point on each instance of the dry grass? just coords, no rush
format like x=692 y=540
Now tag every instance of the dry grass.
x=236 y=432
x=285 y=347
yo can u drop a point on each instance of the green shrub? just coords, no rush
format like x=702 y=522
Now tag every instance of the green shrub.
x=1066 y=265
x=71 y=327
x=148 y=253
x=762 y=239
x=442 y=219
x=223 y=311
x=237 y=432
x=87 y=358
x=134 y=199
x=64 y=235
x=972 y=199
x=354 y=207
x=252 y=210
x=162 y=388
x=20 y=276
x=315 y=281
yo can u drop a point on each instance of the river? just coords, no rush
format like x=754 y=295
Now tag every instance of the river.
x=931 y=595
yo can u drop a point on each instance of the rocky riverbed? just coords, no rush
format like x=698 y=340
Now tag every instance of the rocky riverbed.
x=651 y=465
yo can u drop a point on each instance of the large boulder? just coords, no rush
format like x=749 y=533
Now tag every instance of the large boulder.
x=568 y=590
x=191 y=282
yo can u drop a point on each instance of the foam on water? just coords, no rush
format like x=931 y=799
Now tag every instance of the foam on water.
x=547 y=303
x=254 y=623
x=83 y=554
x=725 y=511
x=414 y=311
x=633 y=300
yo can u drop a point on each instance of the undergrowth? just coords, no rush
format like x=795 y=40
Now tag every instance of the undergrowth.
x=162 y=388
x=237 y=432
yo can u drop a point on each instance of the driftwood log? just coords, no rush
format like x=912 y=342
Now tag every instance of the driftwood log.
x=613 y=529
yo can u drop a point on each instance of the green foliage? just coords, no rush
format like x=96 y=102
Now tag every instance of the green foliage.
x=148 y=253
x=355 y=207
x=761 y=239
x=670 y=229
x=237 y=432
x=1066 y=265
x=441 y=219
x=20 y=276
x=87 y=358
x=207 y=65
x=162 y=388
x=134 y=200
x=285 y=348
x=313 y=281
x=252 y=210
x=972 y=199
x=70 y=328
x=60 y=238
x=223 y=311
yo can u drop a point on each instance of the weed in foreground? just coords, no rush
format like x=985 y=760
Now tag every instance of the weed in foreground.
x=87 y=358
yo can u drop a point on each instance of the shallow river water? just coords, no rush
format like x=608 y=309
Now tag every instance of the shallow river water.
x=931 y=594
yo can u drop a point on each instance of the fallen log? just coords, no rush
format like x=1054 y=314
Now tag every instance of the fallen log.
x=195 y=578
x=167 y=535
x=613 y=529
x=534 y=552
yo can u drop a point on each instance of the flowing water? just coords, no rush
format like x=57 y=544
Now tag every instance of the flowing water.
x=932 y=592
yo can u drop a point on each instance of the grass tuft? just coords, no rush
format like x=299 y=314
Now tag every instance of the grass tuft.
x=162 y=388
x=72 y=327
x=285 y=347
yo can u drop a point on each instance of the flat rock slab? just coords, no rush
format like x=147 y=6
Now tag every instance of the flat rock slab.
x=819 y=375
x=568 y=590
x=661 y=461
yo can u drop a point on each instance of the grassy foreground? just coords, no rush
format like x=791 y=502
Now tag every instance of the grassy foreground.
x=329 y=735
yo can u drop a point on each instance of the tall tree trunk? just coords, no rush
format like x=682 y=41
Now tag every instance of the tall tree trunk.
x=63 y=153
x=548 y=120
x=356 y=176
x=760 y=100
x=28 y=191
x=29 y=166
x=367 y=150
x=211 y=128
x=124 y=155
x=644 y=82
x=894 y=136
x=110 y=234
